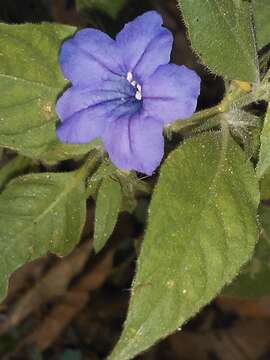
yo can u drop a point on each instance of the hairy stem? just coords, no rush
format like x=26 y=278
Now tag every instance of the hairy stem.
x=197 y=118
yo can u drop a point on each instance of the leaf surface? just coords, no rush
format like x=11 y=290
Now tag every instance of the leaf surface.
x=222 y=34
x=30 y=83
x=202 y=229
x=108 y=206
x=39 y=213
x=262 y=11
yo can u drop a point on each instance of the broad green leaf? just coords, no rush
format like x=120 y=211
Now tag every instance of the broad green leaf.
x=221 y=32
x=253 y=280
x=107 y=210
x=40 y=213
x=202 y=229
x=13 y=168
x=262 y=23
x=109 y=7
x=30 y=83
x=264 y=159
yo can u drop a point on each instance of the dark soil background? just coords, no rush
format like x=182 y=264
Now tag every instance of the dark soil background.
x=73 y=308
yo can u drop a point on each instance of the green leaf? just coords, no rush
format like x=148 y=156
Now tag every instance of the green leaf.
x=253 y=280
x=109 y=7
x=107 y=210
x=30 y=83
x=93 y=183
x=264 y=159
x=40 y=213
x=13 y=168
x=222 y=34
x=202 y=229
x=262 y=11
x=265 y=186
x=128 y=180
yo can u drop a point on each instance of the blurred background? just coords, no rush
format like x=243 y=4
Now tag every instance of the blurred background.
x=74 y=308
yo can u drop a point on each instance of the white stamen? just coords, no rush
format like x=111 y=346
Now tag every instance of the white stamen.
x=138 y=95
x=139 y=88
x=129 y=76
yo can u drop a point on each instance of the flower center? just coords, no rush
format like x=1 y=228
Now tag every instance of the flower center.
x=137 y=86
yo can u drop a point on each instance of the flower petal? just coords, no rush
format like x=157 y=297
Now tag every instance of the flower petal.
x=135 y=143
x=85 y=112
x=112 y=94
x=80 y=128
x=171 y=93
x=90 y=56
x=145 y=45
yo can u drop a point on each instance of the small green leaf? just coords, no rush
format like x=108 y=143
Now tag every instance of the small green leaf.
x=202 y=229
x=107 y=210
x=262 y=11
x=253 y=280
x=104 y=170
x=264 y=159
x=109 y=7
x=128 y=180
x=30 y=83
x=40 y=213
x=222 y=34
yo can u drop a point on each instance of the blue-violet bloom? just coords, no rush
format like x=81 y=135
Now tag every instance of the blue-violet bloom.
x=124 y=91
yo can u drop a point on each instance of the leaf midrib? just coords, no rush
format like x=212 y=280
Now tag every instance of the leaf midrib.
x=30 y=82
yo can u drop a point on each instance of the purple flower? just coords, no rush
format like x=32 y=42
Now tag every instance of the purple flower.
x=124 y=91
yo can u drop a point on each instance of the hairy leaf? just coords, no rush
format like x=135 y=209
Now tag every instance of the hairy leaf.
x=39 y=213
x=221 y=32
x=30 y=82
x=202 y=229
x=262 y=11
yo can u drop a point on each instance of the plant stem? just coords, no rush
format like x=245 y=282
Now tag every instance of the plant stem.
x=178 y=125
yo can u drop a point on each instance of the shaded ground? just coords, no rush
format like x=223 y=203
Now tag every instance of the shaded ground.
x=74 y=308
